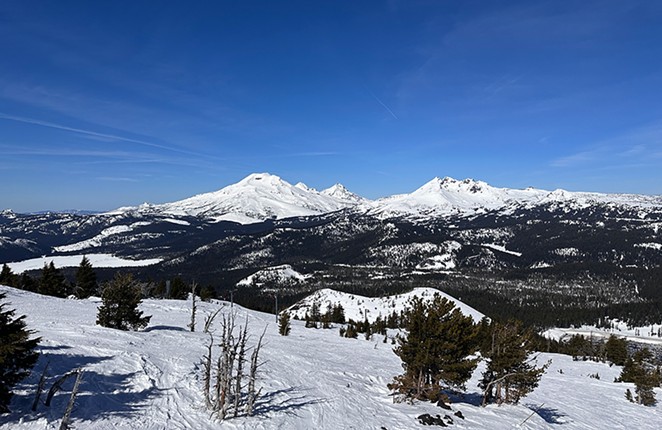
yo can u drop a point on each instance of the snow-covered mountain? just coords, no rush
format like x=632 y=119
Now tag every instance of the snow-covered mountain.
x=258 y=197
x=448 y=197
x=339 y=192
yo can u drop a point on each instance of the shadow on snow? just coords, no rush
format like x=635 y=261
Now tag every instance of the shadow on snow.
x=273 y=401
x=550 y=415
x=99 y=395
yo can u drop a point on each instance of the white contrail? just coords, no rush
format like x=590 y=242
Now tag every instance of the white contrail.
x=388 y=109
x=90 y=133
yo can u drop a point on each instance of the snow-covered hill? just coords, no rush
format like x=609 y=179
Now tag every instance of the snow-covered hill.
x=258 y=197
x=358 y=307
x=310 y=379
x=270 y=275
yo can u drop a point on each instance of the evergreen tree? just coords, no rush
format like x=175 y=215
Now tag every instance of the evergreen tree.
x=17 y=352
x=315 y=313
x=86 y=280
x=207 y=293
x=435 y=352
x=640 y=370
x=119 y=308
x=616 y=350
x=338 y=314
x=52 y=282
x=178 y=289
x=27 y=283
x=284 y=323
x=7 y=277
x=509 y=374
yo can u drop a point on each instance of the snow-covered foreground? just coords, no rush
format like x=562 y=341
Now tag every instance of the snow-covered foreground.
x=312 y=379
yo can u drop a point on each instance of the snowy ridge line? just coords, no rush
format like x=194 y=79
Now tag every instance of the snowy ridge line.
x=262 y=196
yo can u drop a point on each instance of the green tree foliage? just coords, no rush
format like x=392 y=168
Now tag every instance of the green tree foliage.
x=284 y=323
x=17 y=352
x=119 y=308
x=509 y=375
x=52 y=282
x=616 y=350
x=7 y=277
x=207 y=293
x=28 y=283
x=338 y=314
x=641 y=370
x=86 y=280
x=179 y=289
x=436 y=350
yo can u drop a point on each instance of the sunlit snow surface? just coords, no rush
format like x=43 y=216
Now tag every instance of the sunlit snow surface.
x=97 y=260
x=262 y=196
x=312 y=379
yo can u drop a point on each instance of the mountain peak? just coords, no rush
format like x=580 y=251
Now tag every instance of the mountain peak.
x=340 y=192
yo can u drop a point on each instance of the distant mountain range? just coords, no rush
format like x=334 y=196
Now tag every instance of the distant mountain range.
x=262 y=196
x=544 y=251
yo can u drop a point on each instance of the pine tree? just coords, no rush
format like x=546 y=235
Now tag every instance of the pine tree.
x=27 y=283
x=119 y=308
x=640 y=370
x=178 y=289
x=509 y=374
x=338 y=314
x=7 y=277
x=616 y=350
x=52 y=282
x=86 y=280
x=435 y=352
x=284 y=323
x=17 y=352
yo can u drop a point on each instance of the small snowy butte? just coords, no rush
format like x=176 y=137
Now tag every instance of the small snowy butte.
x=359 y=308
x=276 y=275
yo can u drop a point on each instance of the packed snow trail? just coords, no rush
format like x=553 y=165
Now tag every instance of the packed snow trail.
x=312 y=379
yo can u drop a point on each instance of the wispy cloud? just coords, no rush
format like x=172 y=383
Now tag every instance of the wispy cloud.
x=91 y=133
x=116 y=179
x=640 y=146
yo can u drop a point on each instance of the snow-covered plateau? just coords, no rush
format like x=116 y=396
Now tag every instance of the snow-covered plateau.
x=312 y=379
x=97 y=260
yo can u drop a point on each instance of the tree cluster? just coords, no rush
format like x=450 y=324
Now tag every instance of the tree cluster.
x=439 y=354
x=437 y=350
x=641 y=370
x=17 y=352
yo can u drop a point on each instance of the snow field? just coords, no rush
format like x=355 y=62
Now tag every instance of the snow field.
x=312 y=379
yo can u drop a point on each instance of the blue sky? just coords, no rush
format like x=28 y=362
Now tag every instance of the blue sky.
x=105 y=104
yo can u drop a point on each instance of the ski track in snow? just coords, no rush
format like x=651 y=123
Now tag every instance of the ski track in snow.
x=312 y=379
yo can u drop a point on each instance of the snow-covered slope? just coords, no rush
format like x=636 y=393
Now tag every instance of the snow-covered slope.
x=359 y=308
x=448 y=196
x=257 y=197
x=312 y=379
